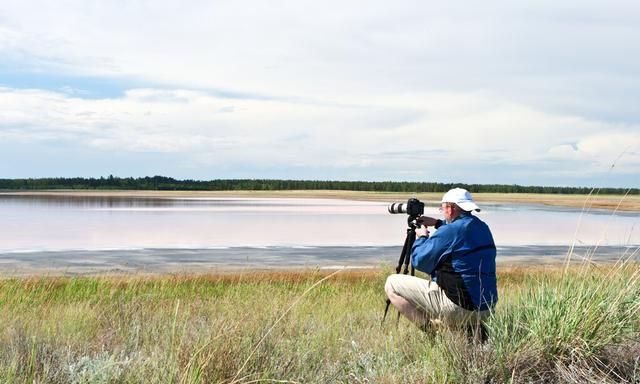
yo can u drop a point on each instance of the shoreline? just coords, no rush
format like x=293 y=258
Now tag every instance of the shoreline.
x=608 y=202
x=504 y=267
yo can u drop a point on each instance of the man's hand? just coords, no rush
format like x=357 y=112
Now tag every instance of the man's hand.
x=426 y=221
x=422 y=231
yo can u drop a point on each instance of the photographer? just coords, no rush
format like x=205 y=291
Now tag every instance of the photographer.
x=460 y=257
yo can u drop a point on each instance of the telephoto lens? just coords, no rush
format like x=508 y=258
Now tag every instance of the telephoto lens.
x=397 y=208
x=413 y=207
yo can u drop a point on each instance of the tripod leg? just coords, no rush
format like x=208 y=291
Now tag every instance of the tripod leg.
x=403 y=254
x=405 y=257
x=386 y=309
x=411 y=238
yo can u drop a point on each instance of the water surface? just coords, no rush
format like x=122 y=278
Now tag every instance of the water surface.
x=136 y=233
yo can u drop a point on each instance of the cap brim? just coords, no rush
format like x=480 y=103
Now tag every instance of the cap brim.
x=469 y=206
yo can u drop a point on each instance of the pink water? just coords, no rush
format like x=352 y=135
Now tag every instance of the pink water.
x=48 y=223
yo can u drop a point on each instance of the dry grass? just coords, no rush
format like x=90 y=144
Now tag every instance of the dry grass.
x=550 y=326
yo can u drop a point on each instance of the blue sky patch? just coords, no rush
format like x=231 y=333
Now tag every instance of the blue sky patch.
x=76 y=86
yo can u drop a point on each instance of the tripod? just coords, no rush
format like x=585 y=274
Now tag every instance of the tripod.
x=405 y=256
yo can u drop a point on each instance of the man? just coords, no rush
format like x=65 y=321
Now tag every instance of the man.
x=461 y=259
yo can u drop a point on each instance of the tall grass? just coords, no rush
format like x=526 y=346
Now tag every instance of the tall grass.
x=551 y=325
x=568 y=323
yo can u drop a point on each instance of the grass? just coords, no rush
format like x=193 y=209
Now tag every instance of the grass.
x=551 y=325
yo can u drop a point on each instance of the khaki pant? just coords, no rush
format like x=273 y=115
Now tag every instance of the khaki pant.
x=432 y=301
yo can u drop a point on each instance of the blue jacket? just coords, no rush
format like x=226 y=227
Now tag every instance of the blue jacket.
x=461 y=259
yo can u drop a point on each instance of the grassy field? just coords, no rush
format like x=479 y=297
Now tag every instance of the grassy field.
x=611 y=202
x=551 y=325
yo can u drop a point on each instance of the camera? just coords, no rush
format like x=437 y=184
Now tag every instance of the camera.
x=413 y=207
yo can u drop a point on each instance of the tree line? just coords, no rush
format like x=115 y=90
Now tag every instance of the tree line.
x=163 y=183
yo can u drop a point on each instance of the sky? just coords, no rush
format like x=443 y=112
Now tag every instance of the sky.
x=530 y=93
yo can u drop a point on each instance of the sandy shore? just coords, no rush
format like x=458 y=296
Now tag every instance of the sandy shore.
x=612 y=202
x=503 y=266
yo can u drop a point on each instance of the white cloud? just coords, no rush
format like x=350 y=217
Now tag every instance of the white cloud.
x=334 y=50
x=388 y=89
x=426 y=131
x=615 y=148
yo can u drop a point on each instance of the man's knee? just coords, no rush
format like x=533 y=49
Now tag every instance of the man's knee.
x=388 y=287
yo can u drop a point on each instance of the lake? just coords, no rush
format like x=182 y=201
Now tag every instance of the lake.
x=84 y=234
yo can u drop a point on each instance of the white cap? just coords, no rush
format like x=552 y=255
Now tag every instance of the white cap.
x=462 y=198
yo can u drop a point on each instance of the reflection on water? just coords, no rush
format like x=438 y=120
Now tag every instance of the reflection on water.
x=95 y=223
x=51 y=223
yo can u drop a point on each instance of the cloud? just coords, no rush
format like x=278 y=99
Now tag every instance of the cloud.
x=550 y=55
x=412 y=138
x=506 y=92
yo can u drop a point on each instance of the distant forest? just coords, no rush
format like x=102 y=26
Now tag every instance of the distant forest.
x=161 y=183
